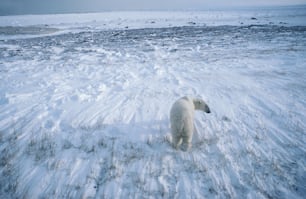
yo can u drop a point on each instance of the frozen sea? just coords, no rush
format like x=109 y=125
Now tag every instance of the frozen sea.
x=85 y=100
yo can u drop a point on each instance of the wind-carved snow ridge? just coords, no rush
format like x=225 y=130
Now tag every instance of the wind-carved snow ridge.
x=85 y=115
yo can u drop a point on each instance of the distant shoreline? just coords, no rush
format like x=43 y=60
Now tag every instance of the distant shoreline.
x=217 y=8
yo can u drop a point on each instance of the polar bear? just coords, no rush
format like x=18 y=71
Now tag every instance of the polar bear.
x=181 y=119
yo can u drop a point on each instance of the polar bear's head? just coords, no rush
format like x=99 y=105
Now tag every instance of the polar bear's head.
x=199 y=104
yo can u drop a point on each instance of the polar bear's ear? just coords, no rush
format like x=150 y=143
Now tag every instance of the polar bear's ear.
x=198 y=104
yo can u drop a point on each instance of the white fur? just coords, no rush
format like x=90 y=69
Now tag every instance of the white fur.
x=181 y=119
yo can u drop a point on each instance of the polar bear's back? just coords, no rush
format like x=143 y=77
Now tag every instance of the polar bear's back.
x=182 y=107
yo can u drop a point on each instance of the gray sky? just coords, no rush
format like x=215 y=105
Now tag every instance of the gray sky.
x=9 y=7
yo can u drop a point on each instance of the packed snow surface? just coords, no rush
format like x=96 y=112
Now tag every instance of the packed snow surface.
x=85 y=101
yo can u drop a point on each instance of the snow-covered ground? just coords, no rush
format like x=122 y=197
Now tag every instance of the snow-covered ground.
x=85 y=100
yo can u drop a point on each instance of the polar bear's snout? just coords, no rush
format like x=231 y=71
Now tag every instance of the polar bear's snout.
x=207 y=109
x=199 y=104
x=181 y=119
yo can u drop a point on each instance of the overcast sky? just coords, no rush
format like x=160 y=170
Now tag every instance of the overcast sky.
x=9 y=7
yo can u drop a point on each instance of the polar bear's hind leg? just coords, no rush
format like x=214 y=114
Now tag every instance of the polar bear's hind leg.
x=187 y=135
x=176 y=141
x=186 y=143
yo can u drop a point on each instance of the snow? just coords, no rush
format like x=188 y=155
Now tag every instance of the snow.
x=84 y=107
